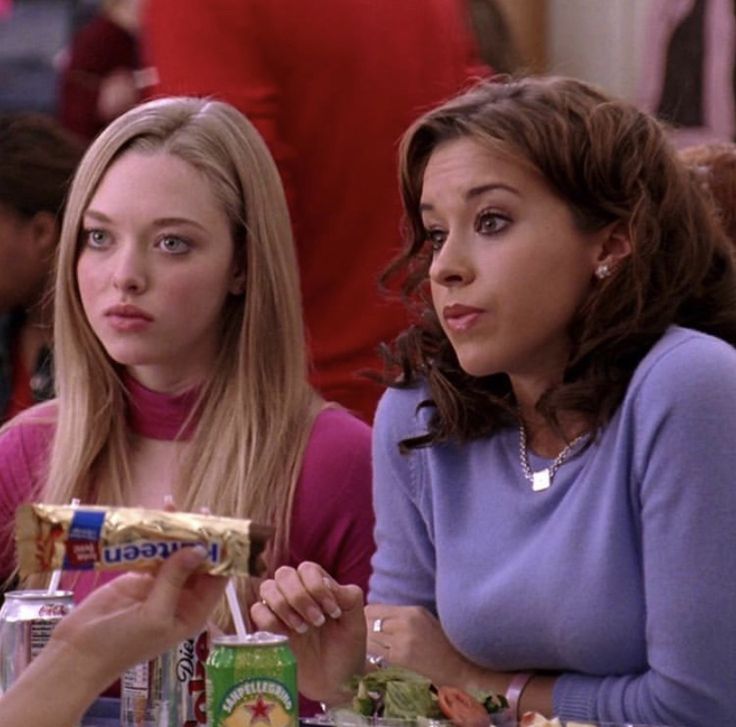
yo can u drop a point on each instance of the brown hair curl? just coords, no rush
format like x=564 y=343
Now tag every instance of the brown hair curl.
x=612 y=164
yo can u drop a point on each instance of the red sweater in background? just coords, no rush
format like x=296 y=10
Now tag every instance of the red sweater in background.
x=331 y=86
x=98 y=49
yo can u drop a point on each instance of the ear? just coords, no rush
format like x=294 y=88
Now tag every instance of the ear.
x=614 y=247
x=44 y=230
x=237 y=283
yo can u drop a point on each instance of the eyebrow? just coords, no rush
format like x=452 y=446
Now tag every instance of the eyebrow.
x=477 y=192
x=160 y=222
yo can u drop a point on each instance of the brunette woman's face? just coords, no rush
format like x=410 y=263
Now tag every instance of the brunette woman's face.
x=155 y=268
x=509 y=268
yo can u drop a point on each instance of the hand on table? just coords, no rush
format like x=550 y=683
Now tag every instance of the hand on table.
x=411 y=637
x=325 y=625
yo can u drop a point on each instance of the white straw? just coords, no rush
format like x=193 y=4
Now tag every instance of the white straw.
x=235 y=612
x=56 y=575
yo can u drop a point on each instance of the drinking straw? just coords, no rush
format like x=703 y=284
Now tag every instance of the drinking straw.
x=56 y=575
x=235 y=612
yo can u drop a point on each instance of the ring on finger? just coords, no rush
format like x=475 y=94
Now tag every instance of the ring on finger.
x=375 y=660
x=377 y=625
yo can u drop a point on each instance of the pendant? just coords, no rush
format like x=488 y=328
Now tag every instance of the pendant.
x=541 y=480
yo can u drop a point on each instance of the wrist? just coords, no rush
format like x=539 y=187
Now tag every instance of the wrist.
x=93 y=673
x=519 y=682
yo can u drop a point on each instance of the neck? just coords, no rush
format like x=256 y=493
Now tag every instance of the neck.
x=546 y=440
x=163 y=381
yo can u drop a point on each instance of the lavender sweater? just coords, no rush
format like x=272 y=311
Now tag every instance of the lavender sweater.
x=621 y=577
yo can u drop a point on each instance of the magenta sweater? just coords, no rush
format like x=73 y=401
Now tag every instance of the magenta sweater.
x=332 y=519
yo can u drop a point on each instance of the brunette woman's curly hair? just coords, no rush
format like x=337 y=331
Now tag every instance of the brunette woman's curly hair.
x=612 y=164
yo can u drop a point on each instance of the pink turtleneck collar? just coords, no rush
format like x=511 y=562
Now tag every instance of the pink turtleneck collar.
x=159 y=416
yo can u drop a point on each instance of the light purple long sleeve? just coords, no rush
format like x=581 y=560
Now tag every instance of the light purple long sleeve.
x=621 y=576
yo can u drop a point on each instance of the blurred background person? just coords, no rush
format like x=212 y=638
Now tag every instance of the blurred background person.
x=330 y=86
x=714 y=165
x=37 y=160
x=99 y=78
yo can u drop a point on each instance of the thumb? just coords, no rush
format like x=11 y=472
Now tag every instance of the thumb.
x=172 y=577
x=349 y=597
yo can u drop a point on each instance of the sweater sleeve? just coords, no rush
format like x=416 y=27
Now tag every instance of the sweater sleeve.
x=404 y=563
x=682 y=417
x=332 y=518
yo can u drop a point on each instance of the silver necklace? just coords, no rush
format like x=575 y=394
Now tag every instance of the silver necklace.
x=542 y=479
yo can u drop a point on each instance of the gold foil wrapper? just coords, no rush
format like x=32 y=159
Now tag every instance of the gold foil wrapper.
x=91 y=537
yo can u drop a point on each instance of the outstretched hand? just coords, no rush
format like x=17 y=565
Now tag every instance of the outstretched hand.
x=325 y=625
x=138 y=616
x=127 y=621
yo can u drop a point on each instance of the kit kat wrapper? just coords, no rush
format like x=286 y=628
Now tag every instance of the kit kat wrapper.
x=87 y=537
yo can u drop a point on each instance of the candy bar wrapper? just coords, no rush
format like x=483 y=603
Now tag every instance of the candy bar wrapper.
x=83 y=537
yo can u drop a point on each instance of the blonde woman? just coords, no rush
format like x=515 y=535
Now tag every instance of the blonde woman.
x=181 y=366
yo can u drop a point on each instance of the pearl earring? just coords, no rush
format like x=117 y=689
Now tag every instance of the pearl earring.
x=602 y=271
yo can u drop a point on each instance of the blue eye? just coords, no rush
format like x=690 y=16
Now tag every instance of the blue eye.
x=174 y=245
x=96 y=237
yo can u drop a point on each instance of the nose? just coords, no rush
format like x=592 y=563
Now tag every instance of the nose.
x=452 y=264
x=129 y=273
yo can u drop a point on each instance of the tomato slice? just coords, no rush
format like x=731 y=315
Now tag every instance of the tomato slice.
x=461 y=708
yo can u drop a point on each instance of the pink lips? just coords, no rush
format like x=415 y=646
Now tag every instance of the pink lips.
x=128 y=317
x=460 y=317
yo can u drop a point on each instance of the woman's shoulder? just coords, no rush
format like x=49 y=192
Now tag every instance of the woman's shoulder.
x=336 y=467
x=338 y=442
x=685 y=372
x=684 y=357
x=33 y=425
x=335 y=425
x=25 y=444
x=404 y=411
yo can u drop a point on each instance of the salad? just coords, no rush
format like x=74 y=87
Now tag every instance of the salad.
x=398 y=693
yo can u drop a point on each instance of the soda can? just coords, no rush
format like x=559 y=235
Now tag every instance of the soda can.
x=251 y=681
x=27 y=619
x=168 y=691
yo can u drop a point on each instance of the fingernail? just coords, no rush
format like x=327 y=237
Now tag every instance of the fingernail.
x=316 y=617
x=200 y=550
x=168 y=501
x=335 y=612
x=299 y=626
x=195 y=554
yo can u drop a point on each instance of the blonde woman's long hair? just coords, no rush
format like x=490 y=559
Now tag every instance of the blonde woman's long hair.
x=256 y=410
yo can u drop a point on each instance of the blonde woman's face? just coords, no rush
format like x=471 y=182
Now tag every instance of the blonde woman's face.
x=155 y=268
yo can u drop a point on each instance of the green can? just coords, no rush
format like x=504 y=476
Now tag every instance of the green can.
x=251 y=682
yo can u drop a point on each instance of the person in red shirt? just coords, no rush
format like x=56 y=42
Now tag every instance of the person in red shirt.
x=330 y=86
x=100 y=74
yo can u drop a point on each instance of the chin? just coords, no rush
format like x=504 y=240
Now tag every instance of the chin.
x=479 y=369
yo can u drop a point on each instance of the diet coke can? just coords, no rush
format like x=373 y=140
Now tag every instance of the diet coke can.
x=168 y=691
x=27 y=619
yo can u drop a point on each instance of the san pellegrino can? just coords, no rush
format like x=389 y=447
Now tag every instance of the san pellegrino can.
x=251 y=682
x=27 y=619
